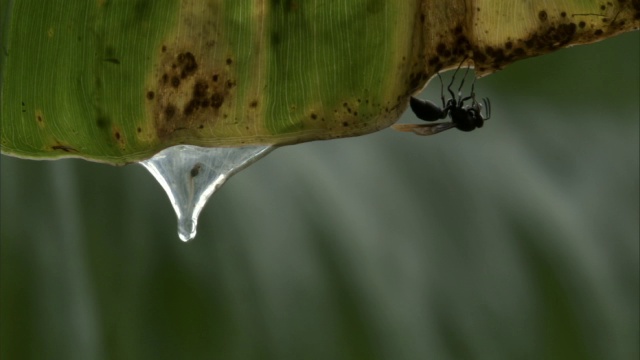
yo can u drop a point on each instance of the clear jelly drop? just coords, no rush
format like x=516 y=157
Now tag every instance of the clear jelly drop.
x=190 y=174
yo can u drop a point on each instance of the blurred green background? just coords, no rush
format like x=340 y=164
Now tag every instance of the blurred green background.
x=516 y=241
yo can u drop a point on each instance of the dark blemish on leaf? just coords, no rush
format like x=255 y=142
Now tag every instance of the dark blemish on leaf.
x=113 y=61
x=102 y=122
x=542 y=15
x=216 y=100
x=508 y=45
x=254 y=104
x=139 y=130
x=164 y=48
x=150 y=95
x=39 y=118
x=563 y=14
x=165 y=78
x=170 y=111
x=314 y=116
x=463 y=43
x=345 y=124
x=192 y=106
x=458 y=30
x=598 y=32
x=64 y=148
x=602 y=7
x=117 y=134
x=582 y=24
x=200 y=89
x=215 y=78
x=195 y=170
x=229 y=61
x=188 y=64
x=230 y=84
x=529 y=42
x=175 y=82
x=201 y=127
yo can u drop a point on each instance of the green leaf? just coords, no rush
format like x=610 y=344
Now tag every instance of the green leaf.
x=116 y=81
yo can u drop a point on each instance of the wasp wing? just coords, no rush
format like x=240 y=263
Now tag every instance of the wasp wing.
x=423 y=129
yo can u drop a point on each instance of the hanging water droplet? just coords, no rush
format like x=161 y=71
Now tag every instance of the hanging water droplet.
x=190 y=174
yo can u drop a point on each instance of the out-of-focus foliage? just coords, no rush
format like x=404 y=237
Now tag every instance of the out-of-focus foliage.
x=517 y=241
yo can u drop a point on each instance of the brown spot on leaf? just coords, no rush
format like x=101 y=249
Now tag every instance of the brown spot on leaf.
x=187 y=63
x=542 y=15
x=169 y=111
x=200 y=89
x=216 y=100
x=191 y=91
x=192 y=106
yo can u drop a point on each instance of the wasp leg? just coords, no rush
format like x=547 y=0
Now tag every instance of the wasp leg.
x=487 y=108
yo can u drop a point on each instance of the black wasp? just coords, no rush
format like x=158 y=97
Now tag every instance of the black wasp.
x=463 y=117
